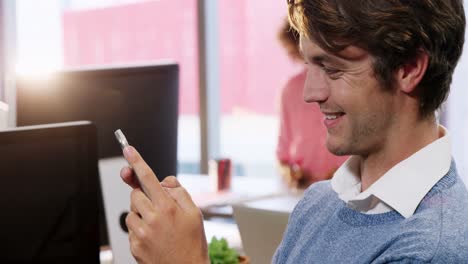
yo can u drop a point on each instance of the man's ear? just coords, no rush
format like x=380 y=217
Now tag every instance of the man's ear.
x=410 y=74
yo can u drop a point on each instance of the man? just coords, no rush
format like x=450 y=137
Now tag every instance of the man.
x=378 y=70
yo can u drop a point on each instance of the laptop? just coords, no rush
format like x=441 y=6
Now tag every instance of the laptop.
x=261 y=225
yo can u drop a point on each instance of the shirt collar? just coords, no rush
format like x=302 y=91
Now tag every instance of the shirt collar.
x=404 y=185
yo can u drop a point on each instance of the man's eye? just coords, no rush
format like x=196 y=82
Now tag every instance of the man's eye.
x=330 y=71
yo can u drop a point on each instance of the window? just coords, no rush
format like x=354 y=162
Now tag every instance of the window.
x=253 y=68
x=57 y=34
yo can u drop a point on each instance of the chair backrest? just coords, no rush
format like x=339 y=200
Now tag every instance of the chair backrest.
x=261 y=231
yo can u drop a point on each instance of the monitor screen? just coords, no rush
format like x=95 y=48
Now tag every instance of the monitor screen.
x=140 y=100
x=50 y=195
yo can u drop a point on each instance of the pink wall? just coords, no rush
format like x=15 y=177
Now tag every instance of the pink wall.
x=134 y=33
x=253 y=65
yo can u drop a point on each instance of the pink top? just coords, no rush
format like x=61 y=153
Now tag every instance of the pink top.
x=302 y=136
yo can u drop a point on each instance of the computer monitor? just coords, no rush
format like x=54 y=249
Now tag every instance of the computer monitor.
x=140 y=100
x=50 y=195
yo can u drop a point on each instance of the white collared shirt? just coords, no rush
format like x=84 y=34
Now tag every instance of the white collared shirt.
x=402 y=187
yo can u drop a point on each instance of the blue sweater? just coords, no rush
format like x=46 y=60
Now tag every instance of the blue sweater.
x=322 y=229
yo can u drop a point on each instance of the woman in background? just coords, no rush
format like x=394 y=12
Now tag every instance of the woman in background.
x=301 y=151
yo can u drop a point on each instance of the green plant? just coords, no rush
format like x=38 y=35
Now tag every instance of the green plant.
x=220 y=252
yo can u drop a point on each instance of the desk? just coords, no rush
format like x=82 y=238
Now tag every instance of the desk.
x=243 y=189
x=229 y=230
x=117 y=199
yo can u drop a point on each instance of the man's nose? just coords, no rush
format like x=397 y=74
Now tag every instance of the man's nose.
x=316 y=88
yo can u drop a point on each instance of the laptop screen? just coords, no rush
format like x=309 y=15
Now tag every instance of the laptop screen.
x=49 y=198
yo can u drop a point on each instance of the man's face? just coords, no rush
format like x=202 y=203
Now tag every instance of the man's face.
x=358 y=111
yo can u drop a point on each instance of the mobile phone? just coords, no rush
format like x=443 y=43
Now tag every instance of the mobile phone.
x=119 y=135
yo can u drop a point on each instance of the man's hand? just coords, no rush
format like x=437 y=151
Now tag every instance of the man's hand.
x=165 y=226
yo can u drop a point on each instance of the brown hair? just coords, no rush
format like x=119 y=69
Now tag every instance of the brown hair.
x=289 y=38
x=393 y=32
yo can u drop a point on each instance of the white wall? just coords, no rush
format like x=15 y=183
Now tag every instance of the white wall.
x=457 y=108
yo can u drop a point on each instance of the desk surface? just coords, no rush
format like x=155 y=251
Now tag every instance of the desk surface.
x=243 y=189
x=117 y=198
x=229 y=230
